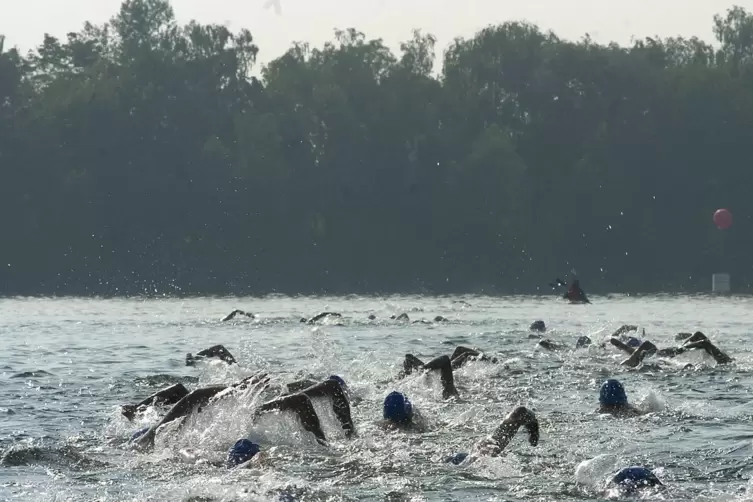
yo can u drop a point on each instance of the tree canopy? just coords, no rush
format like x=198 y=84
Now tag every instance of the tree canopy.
x=141 y=156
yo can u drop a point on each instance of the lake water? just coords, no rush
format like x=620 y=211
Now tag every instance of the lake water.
x=68 y=363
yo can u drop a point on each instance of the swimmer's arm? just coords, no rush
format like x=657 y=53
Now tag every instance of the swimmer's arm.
x=253 y=380
x=711 y=349
x=299 y=385
x=461 y=351
x=463 y=358
x=196 y=398
x=646 y=348
x=182 y=408
x=170 y=395
x=322 y=316
x=301 y=405
x=549 y=345
x=521 y=416
x=214 y=351
x=622 y=346
x=625 y=328
x=235 y=312
x=444 y=365
x=340 y=405
x=410 y=364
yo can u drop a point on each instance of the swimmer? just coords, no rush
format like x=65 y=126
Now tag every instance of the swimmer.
x=443 y=364
x=299 y=403
x=436 y=319
x=495 y=444
x=575 y=293
x=236 y=312
x=459 y=357
x=584 y=341
x=646 y=349
x=404 y=318
x=462 y=355
x=217 y=351
x=613 y=400
x=538 y=326
x=581 y=343
x=631 y=479
x=319 y=317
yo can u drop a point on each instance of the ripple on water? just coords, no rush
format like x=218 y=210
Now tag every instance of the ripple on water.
x=67 y=370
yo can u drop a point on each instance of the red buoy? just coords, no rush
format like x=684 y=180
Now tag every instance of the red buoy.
x=722 y=219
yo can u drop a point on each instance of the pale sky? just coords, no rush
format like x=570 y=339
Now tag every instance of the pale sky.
x=24 y=22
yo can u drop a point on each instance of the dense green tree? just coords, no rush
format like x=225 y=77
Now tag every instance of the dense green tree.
x=141 y=156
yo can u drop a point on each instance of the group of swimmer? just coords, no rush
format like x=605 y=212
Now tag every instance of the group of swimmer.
x=638 y=350
x=574 y=295
x=336 y=315
x=397 y=410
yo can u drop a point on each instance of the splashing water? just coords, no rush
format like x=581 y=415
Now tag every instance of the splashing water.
x=71 y=362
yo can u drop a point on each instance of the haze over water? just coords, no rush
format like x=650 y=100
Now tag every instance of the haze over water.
x=61 y=437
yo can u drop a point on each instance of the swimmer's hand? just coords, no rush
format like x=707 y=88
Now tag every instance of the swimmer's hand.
x=258 y=461
x=521 y=416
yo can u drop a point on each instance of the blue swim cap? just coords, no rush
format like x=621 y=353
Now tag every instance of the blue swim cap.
x=456 y=459
x=338 y=380
x=635 y=477
x=633 y=342
x=139 y=433
x=612 y=393
x=242 y=451
x=397 y=408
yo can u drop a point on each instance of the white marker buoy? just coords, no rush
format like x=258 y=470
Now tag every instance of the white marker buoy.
x=720 y=283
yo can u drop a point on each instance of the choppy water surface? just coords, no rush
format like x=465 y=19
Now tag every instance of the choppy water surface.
x=67 y=364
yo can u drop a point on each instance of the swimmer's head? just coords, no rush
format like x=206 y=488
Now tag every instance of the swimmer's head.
x=242 y=451
x=633 y=342
x=139 y=433
x=612 y=393
x=456 y=459
x=582 y=342
x=537 y=326
x=634 y=478
x=397 y=408
x=339 y=380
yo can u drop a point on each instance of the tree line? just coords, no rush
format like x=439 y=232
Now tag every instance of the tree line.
x=141 y=157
